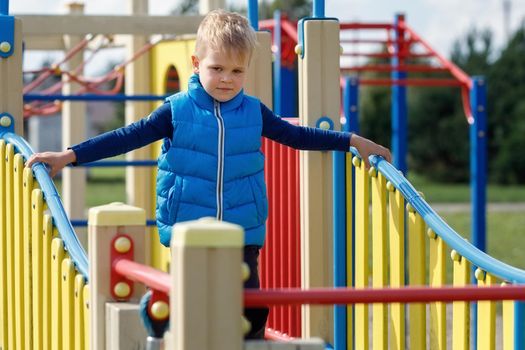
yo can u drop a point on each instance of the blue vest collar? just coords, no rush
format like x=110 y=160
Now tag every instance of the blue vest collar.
x=204 y=100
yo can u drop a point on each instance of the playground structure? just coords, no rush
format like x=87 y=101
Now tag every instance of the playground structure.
x=319 y=86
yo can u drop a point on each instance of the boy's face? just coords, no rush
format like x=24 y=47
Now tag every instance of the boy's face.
x=221 y=75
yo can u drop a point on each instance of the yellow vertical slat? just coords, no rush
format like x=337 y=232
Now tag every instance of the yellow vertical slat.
x=508 y=324
x=349 y=248
x=87 y=324
x=396 y=227
x=79 y=312
x=460 y=309
x=11 y=336
x=67 y=271
x=438 y=316
x=47 y=236
x=18 y=170
x=379 y=259
x=28 y=305
x=362 y=201
x=57 y=255
x=37 y=227
x=416 y=275
x=3 y=250
x=486 y=328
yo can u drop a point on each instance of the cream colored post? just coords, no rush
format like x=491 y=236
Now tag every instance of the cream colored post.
x=104 y=223
x=74 y=131
x=206 y=6
x=11 y=81
x=259 y=81
x=139 y=179
x=206 y=287
x=318 y=97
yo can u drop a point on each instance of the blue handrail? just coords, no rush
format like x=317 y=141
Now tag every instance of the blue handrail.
x=60 y=219
x=441 y=228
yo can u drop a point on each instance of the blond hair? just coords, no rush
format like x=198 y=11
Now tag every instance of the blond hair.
x=227 y=32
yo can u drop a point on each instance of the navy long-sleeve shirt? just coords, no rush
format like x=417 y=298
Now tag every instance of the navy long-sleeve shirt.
x=158 y=126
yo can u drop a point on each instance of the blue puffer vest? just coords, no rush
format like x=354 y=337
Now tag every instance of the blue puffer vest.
x=213 y=166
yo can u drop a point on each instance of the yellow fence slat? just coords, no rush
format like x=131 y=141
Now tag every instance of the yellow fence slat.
x=379 y=259
x=349 y=247
x=460 y=309
x=37 y=227
x=486 y=328
x=396 y=227
x=3 y=249
x=18 y=257
x=79 y=329
x=57 y=255
x=11 y=336
x=68 y=305
x=47 y=236
x=362 y=200
x=508 y=324
x=87 y=320
x=438 y=318
x=28 y=315
x=416 y=275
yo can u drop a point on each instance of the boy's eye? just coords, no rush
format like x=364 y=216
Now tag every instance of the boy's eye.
x=217 y=69
x=237 y=71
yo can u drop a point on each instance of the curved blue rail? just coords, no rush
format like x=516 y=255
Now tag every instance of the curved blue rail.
x=60 y=219
x=441 y=228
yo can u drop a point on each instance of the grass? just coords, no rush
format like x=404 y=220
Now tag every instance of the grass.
x=460 y=193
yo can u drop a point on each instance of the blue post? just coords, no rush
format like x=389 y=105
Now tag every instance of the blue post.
x=478 y=161
x=399 y=101
x=351 y=113
x=519 y=334
x=319 y=8
x=253 y=14
x=277 y=84
x=4 y=7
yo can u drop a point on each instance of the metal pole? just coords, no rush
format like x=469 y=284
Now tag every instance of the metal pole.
x=277 y=83
x=154 y=343
x=4 y=7
x=319 y=8
x=253 y=14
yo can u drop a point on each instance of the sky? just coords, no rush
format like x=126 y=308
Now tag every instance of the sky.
x=439 y=22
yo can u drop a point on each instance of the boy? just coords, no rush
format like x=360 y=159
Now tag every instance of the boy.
x=211 y=164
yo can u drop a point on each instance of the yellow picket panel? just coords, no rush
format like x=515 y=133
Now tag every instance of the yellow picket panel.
x=87 y=321
x=11 y=334
x=349 y=247
x=486 y=328
x=68 y=304
x=460 y=309
x=416 y=275
x=508 y=324
x=46 y=282
x=57 y=255
x=396 y=228
x=4 y=320
x=28 y=316
x=79 y=328
x=37 y=227
x=18 y=252
x=438 y=315
x=362 y=201
x=379 y=259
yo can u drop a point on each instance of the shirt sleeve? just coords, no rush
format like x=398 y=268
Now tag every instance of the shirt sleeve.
x=302 y=137
x=154 y=127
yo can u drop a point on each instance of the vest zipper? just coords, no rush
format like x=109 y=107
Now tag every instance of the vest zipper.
x=220 y=159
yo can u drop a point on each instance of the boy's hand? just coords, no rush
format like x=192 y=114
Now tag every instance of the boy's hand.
x=55 y=160
x=367 y=148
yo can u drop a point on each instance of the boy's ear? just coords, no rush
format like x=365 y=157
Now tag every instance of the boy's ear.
x=195 y=63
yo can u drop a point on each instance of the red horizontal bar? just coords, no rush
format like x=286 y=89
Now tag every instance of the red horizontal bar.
x=386 y=55
x=390 y=68
x=346 y=296
x=375 y=41
x=150 y=277
x=355 y=25
x=411 y=82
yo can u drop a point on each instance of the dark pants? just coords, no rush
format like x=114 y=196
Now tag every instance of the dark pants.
x=256 y=316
